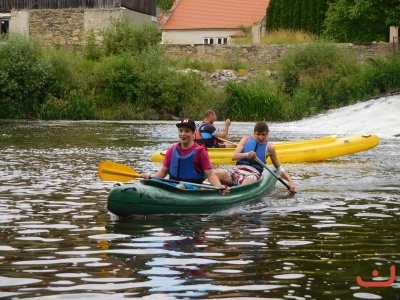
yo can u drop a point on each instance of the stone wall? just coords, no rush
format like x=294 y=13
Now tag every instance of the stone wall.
x=256 y=54
x=66 y=26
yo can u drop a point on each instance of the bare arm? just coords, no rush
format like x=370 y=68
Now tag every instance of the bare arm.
x=213 y=179
x=159 y=174
x=224 y=134
x=237 y=154
x=274 y=159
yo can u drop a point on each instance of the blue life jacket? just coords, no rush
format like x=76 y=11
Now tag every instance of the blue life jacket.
x=204 y=138
x=259 y=149
x=182 y=167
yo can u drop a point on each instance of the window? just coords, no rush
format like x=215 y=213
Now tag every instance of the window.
x=217 y=40
x=208 y=41
x=222 y=40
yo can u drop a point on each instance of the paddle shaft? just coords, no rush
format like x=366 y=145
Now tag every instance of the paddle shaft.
x=272 y=172
x=109 y=170
x=264 y=165
x=191 y=183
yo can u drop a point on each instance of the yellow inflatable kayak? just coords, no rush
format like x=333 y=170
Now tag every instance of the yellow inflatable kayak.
x=300 y=151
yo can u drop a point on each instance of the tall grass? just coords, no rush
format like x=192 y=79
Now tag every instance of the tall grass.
x=287 y=36
x=281 y=36
x=257 y=100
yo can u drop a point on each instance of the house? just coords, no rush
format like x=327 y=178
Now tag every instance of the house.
x=66 y=22
x=212 y=21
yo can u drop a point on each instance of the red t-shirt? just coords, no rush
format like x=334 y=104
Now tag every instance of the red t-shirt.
x=201 y=159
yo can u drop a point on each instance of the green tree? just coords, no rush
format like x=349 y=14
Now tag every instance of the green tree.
x=165 y=4
x=297 y=15
x=272 y=18
x=370 y=17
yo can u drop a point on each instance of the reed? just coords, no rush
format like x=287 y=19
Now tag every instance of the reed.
x=257 y=100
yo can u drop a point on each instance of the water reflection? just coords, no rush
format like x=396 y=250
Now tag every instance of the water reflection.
x=59 y=241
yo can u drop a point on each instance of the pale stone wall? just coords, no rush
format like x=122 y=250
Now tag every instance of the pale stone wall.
x=96 y=19
x=19 y=22
x=259 y=54
x=136 y=17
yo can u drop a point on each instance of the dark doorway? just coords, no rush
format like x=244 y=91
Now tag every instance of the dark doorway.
x=5 y=25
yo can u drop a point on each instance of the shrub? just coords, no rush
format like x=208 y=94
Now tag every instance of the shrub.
x=146 y=80
x=26 y=74
x=382 y=73
x=309 y=60
x=117 y=79
x=122 y=36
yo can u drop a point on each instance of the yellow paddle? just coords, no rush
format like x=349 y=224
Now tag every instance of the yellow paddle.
x=113 y=171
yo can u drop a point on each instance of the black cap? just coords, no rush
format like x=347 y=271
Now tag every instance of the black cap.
x=188 y=123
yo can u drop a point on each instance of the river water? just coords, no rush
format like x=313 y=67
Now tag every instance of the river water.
x=58 y=241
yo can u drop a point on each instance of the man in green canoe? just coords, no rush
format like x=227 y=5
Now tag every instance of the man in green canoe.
x=247 y=169
x=188 y=161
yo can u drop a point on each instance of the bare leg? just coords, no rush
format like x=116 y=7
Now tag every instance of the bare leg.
x=248 y=180
x=229 y=145
x=224 y=177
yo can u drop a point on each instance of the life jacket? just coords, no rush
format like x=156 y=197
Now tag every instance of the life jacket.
x=182 y=167
x=259 y=149
x=204 y=138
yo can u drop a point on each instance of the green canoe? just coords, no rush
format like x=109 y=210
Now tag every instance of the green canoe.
x=145 y=197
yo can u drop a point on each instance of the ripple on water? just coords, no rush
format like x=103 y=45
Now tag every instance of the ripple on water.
x=14 y=281
x=367 y=296
x=294 y=243
x=331 y=225
x=108 y=237
x=289 y=276
x=160 y=271
x=372 y=215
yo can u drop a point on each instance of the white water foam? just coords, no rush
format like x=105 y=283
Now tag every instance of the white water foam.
x=378 y=116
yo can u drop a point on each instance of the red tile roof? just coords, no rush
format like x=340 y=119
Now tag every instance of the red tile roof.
x=216 y=14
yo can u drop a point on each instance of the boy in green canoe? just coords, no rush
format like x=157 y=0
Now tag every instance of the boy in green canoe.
x=247 y=169
x=187 y=161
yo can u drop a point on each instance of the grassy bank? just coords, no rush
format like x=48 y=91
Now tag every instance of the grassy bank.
x=127 y=76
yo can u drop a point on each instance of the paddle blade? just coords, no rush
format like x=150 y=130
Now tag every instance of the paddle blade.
x=112 y=171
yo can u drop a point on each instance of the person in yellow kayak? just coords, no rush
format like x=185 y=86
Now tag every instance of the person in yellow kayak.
x=247 y=169
x=188 y=161
x=206 y=134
